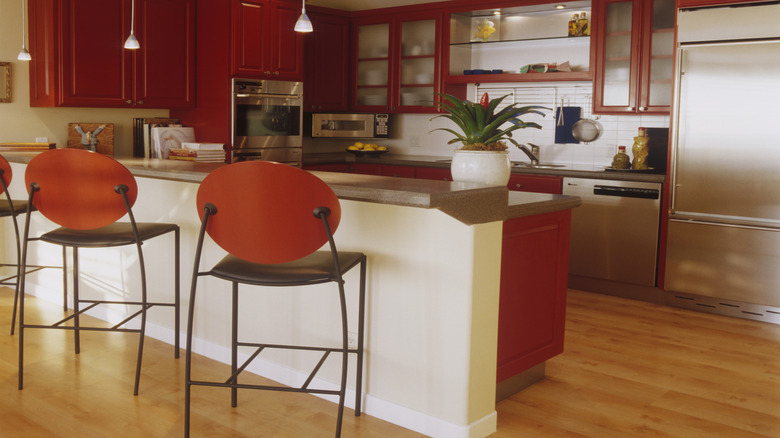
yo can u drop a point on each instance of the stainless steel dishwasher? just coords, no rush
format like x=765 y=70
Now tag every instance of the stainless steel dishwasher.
x=614 y=232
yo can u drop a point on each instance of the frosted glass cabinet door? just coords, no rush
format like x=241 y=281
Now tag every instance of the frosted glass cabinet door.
x=619 y=40
x=660 y=54
x=373 y=64
x=418 y=62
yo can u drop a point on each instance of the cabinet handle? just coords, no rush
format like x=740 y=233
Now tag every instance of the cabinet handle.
x=641 y=108
x=129 y=102
x=631 y=108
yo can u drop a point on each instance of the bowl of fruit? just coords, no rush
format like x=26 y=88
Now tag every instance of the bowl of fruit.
x=366 y=149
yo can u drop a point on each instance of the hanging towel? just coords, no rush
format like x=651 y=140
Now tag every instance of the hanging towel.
x=571 y=115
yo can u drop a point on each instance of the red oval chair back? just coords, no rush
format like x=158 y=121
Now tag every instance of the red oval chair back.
x=265 y=211
x=77 y=187
x=7 y=173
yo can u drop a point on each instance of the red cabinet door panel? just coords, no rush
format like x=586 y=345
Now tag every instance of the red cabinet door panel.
x=249 y=18
x=96 y=69
x=166 y=64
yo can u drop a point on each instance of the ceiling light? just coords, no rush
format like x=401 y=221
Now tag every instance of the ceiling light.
x=131 y=42
x=496 y=13
x=24 y=55
x=303 y=24
x=560 y=6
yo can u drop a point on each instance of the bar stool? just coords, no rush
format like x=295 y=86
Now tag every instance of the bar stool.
x=11 y=209
x=85 y=193
x=272 y=219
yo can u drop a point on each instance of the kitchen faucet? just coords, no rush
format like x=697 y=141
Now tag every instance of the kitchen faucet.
x=533 y=153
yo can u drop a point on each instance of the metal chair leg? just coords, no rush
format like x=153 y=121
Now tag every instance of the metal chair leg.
x=360 y=341
x=76 y=331
x=234 y=348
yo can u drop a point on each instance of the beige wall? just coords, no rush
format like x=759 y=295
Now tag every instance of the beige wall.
x=20 y=123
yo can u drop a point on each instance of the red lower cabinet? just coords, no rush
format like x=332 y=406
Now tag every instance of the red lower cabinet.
x=534 y=271
x=433 y=173
x=535 y=183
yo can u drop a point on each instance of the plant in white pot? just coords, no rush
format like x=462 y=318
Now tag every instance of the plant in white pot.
x=483 y=132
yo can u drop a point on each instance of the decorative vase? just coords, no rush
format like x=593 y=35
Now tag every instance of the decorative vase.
x=485 y=167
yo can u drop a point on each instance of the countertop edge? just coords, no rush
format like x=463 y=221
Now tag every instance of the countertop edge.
x=468 y=203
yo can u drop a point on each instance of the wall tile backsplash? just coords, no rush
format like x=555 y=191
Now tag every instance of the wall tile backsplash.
x=411 y=133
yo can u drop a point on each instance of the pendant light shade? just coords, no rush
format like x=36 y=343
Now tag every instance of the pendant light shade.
x=131 y=42
x=303 y=24
x=24 y=55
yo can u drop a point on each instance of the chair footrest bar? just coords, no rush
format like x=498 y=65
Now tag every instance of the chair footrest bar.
x=264 y=387
x=70 y=327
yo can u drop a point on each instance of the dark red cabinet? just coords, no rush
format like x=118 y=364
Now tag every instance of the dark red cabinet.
x=532 y=301
x=326 y=63
x=78 y=55
x=264 y=43
x=535 y=183
x=397 y=62
x=437 y=173
x=634 y=44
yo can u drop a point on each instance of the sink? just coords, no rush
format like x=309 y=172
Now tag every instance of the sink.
x=537 y=166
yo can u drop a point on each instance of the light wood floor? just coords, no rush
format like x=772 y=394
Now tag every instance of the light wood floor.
x=630 y=369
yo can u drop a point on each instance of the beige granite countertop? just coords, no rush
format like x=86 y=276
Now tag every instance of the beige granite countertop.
x=582 y=171
x=467 y=202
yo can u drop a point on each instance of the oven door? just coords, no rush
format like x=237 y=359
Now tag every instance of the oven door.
x=266 y=121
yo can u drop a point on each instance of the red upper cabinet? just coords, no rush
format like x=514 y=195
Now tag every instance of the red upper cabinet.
x=78 y=55
x=397 y=64
x=265 y=44
x=634 y=43
x=326 y=63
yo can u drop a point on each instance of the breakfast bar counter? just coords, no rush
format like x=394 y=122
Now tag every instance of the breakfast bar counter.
x=434 y=275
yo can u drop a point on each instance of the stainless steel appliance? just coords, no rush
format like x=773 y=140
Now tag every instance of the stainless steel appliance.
x=267 y=123
x=723 y=250
x=614 y=232
x=341 y=125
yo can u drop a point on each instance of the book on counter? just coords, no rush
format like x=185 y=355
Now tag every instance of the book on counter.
x=203 y=146
x=208 y=156
x=143 y=143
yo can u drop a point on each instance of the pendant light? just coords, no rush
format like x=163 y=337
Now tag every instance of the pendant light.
x=132 y=43
x=24 y=55
x=303 y=24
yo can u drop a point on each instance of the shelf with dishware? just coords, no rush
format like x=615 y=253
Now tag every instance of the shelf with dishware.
x=517 y=44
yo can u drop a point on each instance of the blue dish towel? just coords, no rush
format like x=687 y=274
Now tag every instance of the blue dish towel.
x=571 y=115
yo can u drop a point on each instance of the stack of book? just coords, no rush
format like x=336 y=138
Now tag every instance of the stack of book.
x=202 y=152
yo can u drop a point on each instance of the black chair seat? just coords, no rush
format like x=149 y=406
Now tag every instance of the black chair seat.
x=19 y=208
x=116 y=234
x=314 y=268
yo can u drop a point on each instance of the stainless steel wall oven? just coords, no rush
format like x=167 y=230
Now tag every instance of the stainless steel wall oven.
x=267 y=121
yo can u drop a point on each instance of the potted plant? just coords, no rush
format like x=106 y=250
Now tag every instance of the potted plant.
x=483 y=132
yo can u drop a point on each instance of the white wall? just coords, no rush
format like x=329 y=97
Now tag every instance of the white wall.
x=20 y=123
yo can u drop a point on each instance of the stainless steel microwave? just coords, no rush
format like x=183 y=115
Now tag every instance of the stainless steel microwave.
x=342 y=125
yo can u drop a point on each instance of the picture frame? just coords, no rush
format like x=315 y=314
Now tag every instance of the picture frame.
x=5 y=82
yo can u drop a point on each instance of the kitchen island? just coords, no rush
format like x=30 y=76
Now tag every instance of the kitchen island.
x=434 y=276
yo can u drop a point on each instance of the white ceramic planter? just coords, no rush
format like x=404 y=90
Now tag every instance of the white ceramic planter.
x=491 y=168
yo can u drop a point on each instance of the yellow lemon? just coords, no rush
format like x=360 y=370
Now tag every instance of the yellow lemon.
x=382 y=148
x=358 y=145
x=353 y=148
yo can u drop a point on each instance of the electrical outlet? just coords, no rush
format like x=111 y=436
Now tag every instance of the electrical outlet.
x=41 y=139
x=352 y=340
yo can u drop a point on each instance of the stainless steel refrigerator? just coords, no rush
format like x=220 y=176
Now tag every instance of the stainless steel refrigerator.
x=723 y=248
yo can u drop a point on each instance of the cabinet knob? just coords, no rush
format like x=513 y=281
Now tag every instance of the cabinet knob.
x=268 y=72
x=129 y=102
x=641 y=108
x=631 y=108
x=140 y=102
x=276 y=73
x=518 y=186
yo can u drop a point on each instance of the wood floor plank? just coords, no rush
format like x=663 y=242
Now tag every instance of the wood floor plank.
x=629 y=369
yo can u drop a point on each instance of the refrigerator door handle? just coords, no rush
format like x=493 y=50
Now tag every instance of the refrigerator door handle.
x=725 y=222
